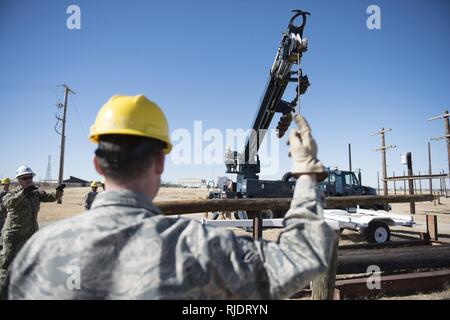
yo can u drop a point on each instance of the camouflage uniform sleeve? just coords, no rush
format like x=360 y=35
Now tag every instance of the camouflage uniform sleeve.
x=4 y=288
x=11 y=199
x=87 y=204
x=304 y=246
x=48 y=197
x=275 y=270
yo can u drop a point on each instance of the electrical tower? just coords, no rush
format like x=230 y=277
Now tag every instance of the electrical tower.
x=48 y=174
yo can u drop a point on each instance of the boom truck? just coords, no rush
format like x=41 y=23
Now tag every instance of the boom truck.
x=246 y=165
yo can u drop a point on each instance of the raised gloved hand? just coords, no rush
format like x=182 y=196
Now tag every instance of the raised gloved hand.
x=60 y=190
x=30 y=189
x=303 y=150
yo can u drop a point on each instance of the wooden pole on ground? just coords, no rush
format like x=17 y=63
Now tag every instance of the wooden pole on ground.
x=253 y=204
x=323 y=287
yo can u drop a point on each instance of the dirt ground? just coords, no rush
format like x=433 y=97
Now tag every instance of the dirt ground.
x=73 y=205
x=74 y=199
x=73 y=202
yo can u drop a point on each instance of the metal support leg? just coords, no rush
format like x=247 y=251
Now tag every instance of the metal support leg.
x=257 y=226
x=432 y=227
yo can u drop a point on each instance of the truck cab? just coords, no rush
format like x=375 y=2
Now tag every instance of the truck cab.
x=344 y=183
x=340 y=183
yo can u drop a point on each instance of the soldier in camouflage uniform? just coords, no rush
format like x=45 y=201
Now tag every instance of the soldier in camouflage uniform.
x=5 y=184
x=22 y=207
x=90 y=196
x=127 y=249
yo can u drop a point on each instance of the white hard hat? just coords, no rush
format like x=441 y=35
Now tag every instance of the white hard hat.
x=23 y=171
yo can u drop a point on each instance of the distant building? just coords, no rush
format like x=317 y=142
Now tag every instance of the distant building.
x=74 y=181
x=192 y=183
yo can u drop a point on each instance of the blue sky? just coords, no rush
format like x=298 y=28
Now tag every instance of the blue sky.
x=209 y=61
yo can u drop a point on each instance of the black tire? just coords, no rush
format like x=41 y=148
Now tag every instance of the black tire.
x=287 y=176
x=215 y=215
x=267 y=214
x=380 y=207
x=378 y=232
x=277 y=214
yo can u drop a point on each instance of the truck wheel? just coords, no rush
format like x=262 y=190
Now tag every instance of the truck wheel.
x=215 y=215
x=378 y=232
x=267 y=214
x=288 y=176
x=277 y=214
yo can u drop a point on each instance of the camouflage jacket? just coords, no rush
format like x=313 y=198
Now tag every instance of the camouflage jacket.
x=2 y=210
x=2 y=194
x=126 y=249
x=23 y=209
x=88 y=199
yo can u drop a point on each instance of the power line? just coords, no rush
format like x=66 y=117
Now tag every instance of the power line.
x=25 y=86
x=78 y=115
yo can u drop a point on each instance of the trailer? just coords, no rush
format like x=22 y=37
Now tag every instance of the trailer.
x=375 y=224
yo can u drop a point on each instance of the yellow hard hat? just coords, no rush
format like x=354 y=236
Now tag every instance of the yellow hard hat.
x=131 y=115
x=6 y=181
x=94 y=184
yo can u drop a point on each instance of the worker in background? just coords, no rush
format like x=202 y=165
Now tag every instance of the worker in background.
x=5 y=183
x=22 y=205
x=127 y=248
x=90 y=196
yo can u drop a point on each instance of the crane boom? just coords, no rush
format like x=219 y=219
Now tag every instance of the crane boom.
x=289 y=53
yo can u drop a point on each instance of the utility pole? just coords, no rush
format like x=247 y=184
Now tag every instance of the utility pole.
x=395 y=187
x=378 y=182
x=359 y=176
x=429 y=167
x=404 y=183
x=67 y=90
x=350 y=157
x=445 y=186
x=420 y=184
x=383 y=149
x=445 y=117
x=412 y=206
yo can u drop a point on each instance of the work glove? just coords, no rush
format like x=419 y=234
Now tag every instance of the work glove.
x=30 y=189
x=60 y=190
x=303 y=150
